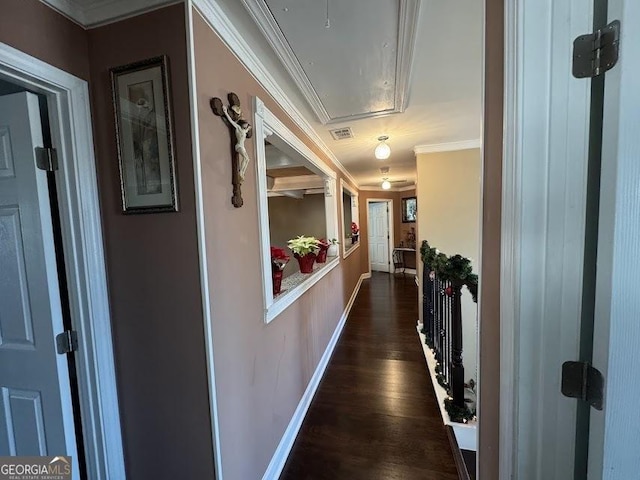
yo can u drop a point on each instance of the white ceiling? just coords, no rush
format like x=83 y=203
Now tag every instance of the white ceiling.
x=347 y=65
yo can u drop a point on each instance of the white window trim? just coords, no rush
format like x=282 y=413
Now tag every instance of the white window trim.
x=68 y=101
x=267 y=125
x=354 y=215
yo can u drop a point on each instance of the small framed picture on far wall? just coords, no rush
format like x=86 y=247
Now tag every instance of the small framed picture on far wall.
x=409 y=209
x=144 y=136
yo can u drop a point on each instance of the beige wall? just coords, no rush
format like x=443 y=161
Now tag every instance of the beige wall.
x=399 y=229
x=262 y=370
x=489 y=401
x=153 y=269
x=449 y=218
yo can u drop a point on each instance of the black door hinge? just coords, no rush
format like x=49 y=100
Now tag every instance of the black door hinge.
x=596 y=53
x=46 y=159
x=583 y=381
x=67 y=342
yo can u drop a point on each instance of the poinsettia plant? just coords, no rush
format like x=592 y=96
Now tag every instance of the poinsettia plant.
x=354 y=228
x=303 y=245
x=279 y=259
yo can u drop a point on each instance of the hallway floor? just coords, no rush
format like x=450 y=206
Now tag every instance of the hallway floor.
x=374 y=416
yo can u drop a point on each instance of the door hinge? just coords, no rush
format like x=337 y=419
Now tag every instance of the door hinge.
x=597 y=52
x=67 y=342
x=46 y=159
x=581 y=380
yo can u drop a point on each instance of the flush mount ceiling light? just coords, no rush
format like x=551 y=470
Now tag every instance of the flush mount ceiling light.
x=386 y=184
x=383 y=150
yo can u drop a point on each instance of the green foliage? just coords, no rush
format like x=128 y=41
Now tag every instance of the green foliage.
x=456 y=269
x=458 y=414
x=303 y=245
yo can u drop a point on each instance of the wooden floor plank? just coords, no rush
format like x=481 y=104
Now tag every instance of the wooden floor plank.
x=375 y=415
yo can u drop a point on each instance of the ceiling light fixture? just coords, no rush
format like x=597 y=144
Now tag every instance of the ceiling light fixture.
x=386 y=184
x=383 y=151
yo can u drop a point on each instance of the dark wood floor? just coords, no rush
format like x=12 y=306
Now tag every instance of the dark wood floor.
x=375 y=415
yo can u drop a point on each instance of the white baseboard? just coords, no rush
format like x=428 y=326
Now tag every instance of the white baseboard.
x=465 y=432
x=288 y=438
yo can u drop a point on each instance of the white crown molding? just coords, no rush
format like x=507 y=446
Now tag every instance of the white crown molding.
x=215 y=17
x=101 y=12
x=392 y=189
x=67 y=8
x=407 y=26
x=259 y=11
x=447 y=147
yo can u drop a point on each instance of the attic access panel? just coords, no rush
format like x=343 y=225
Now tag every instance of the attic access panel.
x=352 y=64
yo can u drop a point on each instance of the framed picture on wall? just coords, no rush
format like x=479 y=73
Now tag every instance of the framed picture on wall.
x=409 y=209
x=144 y=136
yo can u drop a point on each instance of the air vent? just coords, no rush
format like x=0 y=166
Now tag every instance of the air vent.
x=341 y=133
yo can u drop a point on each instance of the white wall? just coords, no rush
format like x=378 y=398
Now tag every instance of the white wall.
x=448 y=194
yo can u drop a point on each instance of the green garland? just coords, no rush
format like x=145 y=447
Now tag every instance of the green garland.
x=456 y=269
x=458 y=414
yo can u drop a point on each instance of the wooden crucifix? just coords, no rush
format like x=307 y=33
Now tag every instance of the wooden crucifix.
x=239 y=131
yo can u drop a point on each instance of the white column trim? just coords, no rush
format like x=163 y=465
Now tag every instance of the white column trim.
x=202 y=243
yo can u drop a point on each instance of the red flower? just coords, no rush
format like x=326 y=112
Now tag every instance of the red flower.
x=279 y=259
x=278 y=253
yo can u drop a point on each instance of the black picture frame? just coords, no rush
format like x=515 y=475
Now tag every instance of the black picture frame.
x=409 y=209
x=144 y=136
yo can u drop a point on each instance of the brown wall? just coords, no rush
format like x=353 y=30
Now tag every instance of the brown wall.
x=152 y=263
x=34 y=28
x=154 y=293
x=489 y=401
x=262 y=370
x=399 y=229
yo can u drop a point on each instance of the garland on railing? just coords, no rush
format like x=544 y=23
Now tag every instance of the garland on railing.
x=456 y=414
x=456 y=269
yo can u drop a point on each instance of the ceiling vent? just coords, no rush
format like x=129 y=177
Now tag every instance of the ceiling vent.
x=341 y=133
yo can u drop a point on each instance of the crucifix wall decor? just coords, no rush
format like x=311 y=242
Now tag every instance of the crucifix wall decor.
x=239 y=131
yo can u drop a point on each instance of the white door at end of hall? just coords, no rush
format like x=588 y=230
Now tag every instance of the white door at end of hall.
x=379 y=236
x=36 y=415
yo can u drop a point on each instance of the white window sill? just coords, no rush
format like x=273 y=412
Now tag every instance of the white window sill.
x=297 y=284
x=351 y=249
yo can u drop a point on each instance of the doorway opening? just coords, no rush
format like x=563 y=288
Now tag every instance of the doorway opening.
x=52 y=240
x=380 y=234
x=17 y=103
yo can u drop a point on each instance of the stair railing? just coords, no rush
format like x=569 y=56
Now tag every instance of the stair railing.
x=443 y=279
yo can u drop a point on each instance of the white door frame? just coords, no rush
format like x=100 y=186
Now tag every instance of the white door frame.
x=390 y=226
x=613 y=442
x=543 y=207
x=70 y=118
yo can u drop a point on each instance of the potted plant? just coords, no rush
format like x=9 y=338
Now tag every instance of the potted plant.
x=279 y=260
x=323 y=246
x=304 y=250
x=354 y=232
